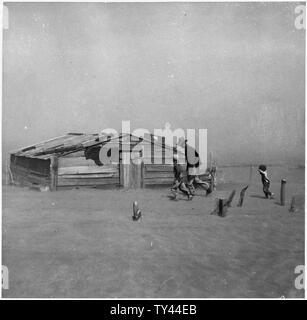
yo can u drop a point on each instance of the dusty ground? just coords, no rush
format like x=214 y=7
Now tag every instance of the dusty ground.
x=83 y=243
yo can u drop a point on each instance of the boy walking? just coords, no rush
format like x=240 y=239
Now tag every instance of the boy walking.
x=265 y=181
x=178 y=181
x=193 y=162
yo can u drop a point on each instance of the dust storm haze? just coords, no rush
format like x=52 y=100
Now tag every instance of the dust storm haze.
x=236 y=69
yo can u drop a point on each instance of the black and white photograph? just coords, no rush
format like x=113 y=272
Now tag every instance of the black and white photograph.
x=153 y=150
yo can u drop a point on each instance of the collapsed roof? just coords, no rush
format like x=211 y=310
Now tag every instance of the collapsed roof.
x=74 y=142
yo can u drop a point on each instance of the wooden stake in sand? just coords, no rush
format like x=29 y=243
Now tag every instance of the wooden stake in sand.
x=282 y=192
x=223 y=204
x=137 y=214
x=242 y=195
x=222 y=207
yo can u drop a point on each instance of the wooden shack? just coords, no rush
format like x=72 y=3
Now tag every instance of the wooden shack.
x=74 y=160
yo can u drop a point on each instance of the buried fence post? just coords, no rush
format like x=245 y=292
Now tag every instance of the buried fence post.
x=282 y=192
x=137 y=214
x=222 y=208
x=223 y=204
x=242 y=195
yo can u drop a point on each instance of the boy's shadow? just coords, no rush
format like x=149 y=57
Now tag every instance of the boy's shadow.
x=170 y=197
x=263 y=197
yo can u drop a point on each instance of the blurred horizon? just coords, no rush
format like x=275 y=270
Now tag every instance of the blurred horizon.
x=236 y=69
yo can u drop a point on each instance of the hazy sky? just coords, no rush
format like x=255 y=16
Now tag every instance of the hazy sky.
x=235 y=69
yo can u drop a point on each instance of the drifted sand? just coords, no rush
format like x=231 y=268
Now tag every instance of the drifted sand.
x=83 y=243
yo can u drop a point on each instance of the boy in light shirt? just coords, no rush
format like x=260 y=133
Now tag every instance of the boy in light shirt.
x=265 y=181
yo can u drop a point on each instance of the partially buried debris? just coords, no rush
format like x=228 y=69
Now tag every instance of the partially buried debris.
x=242 y=195
x=283 y=192
x=137 y=214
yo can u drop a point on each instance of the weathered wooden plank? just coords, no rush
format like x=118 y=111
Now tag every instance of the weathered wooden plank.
x=167 y=161
x=158 y=181
x=171 y=178
x=37 y=145
x=136 y=175
x=159 y=174
x=158 y=167
x=125 y=170
x=25 y=171
x=77 y=154
x=49 y=145
x=89 y=176
x=30 y=178
x=87 y=182
x=18 y=170
x=101 y=187
x=88 y=170
x=30 y=174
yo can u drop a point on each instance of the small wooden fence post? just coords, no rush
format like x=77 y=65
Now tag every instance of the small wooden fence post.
x=242 y=195
x=222 y=207
x=282 y=192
